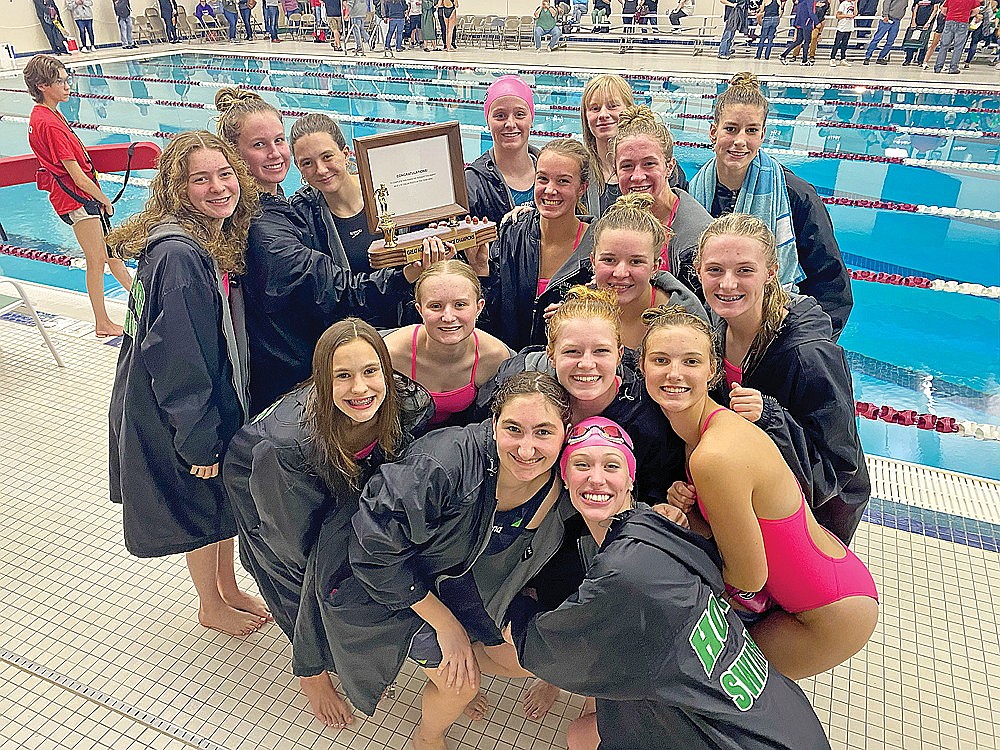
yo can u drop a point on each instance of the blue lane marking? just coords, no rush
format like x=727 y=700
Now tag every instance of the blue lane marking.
x=958 y=529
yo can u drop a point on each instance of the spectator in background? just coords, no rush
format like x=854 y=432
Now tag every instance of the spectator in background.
x=168 y=10
x=356 y=11
x=74 y=192
x=83 y=13
x=411 y=31
x=317 y=10
x=846 y=12
x=957 y=16
x=427 y=28
x=123 y=12
x=803 y=21
x=684 y=8
x=545 y=25
x=334 y=20
x=735 y=14
x=821 y=8
x=447 y=11
x=865 y=8
x=271 y=19
x=244 y=6
x=48 y=16
x=202 y=9
x=579 y=10
x=981 y=31
x=921 y=18
x=768 y=16
x=600 y=15
x=888 y=28
x=230 y=11
x=395 y=14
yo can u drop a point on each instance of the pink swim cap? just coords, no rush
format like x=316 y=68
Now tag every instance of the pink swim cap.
x=598 y=431
x=510 y=86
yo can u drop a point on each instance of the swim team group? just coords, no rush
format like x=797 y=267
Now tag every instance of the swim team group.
x=613 y=452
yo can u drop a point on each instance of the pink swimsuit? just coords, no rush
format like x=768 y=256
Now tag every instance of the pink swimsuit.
x=449 y=402
x=800 y=576
x=734 y=374
x=366 y=451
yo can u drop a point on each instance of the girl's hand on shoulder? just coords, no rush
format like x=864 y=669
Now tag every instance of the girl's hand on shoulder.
x=673 y=513
x=550 y=310
x=205 y=472
x=747 y=402
x=517 y=211
x=680 y=495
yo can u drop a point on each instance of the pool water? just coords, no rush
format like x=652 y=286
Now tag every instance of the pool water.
x=909 y=348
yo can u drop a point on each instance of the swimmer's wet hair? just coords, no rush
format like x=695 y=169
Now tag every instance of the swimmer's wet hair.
x=585 y=302
x=641 y=120
x=527 y=384
x=605 y=87
x=775 y=298
x=316 y=122
x=234 y=105
x=676 y=316
x=744 y=88
x=632 y=213
x=571 y=149
x=449 y=267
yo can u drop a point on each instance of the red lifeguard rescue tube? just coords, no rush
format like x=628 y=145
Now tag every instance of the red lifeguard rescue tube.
x=21 y=170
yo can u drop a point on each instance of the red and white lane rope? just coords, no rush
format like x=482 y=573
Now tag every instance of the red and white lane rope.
x=843 y=156
x=910 y=418
x=576 y=73
x=920 y=282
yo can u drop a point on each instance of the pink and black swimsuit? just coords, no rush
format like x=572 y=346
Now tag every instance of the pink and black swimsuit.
x=448 y=403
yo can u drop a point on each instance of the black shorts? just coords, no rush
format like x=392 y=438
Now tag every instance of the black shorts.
x=462 y=597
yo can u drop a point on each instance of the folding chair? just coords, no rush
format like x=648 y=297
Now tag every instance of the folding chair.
x=8 y=306
x=155 y=25
x=511 y=31
x=462 y=29
x=139 y=31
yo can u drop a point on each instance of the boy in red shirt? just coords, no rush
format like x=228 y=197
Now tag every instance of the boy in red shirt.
x=958 y=14
x=74 y=192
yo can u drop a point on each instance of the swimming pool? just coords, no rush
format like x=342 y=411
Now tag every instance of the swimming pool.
x=922 y=152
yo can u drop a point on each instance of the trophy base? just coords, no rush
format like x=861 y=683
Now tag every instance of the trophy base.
x=409 y=247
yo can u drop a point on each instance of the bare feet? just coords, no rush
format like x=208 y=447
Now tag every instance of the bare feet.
x=478 y=707
x=539 y=699
x=326 y=703
x=107 y=329
x=420 y=743
x=230 y=621
x=247 y=603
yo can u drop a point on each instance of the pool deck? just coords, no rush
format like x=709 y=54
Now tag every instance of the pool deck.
x=101 y=650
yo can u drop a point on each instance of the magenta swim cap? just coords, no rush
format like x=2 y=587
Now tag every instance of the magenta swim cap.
x=598 y=431
x=509 y=86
